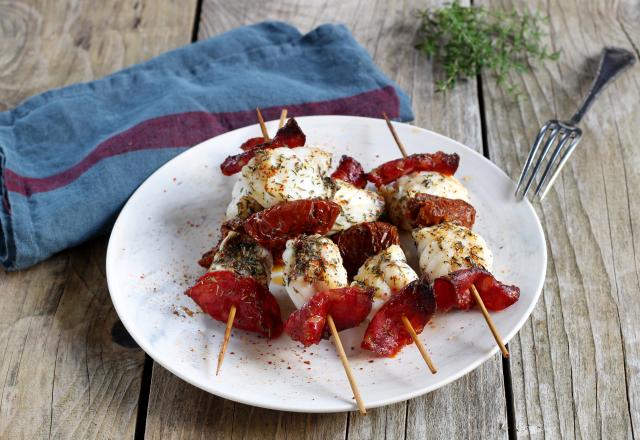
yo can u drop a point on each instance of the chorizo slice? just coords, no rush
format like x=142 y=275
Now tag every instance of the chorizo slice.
x=386 y=335
x=348 y=306
x=350 y=170
x=256 y=308
x=439 y=161
x=452 y=291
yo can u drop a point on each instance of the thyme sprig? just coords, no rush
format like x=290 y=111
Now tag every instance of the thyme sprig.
x=467 y=40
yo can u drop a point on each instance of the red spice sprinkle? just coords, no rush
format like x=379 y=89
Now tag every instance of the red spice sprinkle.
x=288 y=368
x=234 y=353
x=269 y=362
x=307 y=362
x=371 y=362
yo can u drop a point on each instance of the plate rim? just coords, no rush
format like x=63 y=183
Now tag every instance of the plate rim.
x=341 y=406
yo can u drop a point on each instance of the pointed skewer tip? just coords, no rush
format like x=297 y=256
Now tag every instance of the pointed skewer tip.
x=421 y=348
x=263 y=128
x=346 y=366
x=227 y=335
x=283 y=118
x=492 y=326
x=396 y=138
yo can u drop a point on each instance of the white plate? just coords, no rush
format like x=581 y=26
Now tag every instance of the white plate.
x=174 y=217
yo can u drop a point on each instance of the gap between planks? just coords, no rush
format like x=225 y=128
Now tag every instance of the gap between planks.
x=147 y=370
x=506 y=362
x=196 y=21
x=143 y=399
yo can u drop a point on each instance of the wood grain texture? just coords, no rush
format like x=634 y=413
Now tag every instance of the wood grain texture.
x=178 y=410
x=48 y=44
x=472 y=407
x=61 y=373
x=576 y=363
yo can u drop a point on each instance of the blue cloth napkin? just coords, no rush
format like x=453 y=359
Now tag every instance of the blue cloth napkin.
x=70 y=158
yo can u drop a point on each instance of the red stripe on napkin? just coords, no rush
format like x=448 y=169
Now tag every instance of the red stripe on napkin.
x=182 y=130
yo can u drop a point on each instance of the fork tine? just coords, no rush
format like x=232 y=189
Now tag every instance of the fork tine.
x=563 y=161
x=532 y=153
x=552 y=161
x=545 y=150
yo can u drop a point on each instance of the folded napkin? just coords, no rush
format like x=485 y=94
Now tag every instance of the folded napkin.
x=70 y=158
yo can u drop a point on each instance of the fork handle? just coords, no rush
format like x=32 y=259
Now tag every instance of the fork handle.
x=613 y=61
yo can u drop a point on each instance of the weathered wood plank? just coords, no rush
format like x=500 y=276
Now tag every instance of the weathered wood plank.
x=61 y=372
x=179 y=410
x=473 y=406
x=576 y=362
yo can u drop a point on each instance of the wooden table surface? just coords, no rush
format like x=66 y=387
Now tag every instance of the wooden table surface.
x=68 y=370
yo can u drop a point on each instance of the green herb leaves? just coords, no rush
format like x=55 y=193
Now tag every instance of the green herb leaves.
x=468 y=40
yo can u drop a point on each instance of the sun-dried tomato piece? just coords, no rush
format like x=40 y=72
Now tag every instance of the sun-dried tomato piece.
x=362 y=241
x=290 y=136
x=256 y=308
x=348 y=306
x=273 y=226
x=207 y=258
x=439 y=161
x=350 y=171
x=252 y=143
x=233 y=164
x=428 y=210
x=452 y=291
x=235 y=224
x=386 y=335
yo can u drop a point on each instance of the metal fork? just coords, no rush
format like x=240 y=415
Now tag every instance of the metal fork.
x=566 y=135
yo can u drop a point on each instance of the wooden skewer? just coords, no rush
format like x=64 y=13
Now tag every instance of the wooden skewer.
x=492 y=326
x=395 y=135
x=227 y=334
x=265 y=133
x=345 y=364
x=476 y=295
x=419 y=344
x=232 y=310
x=405 y=320
x=283 y=118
